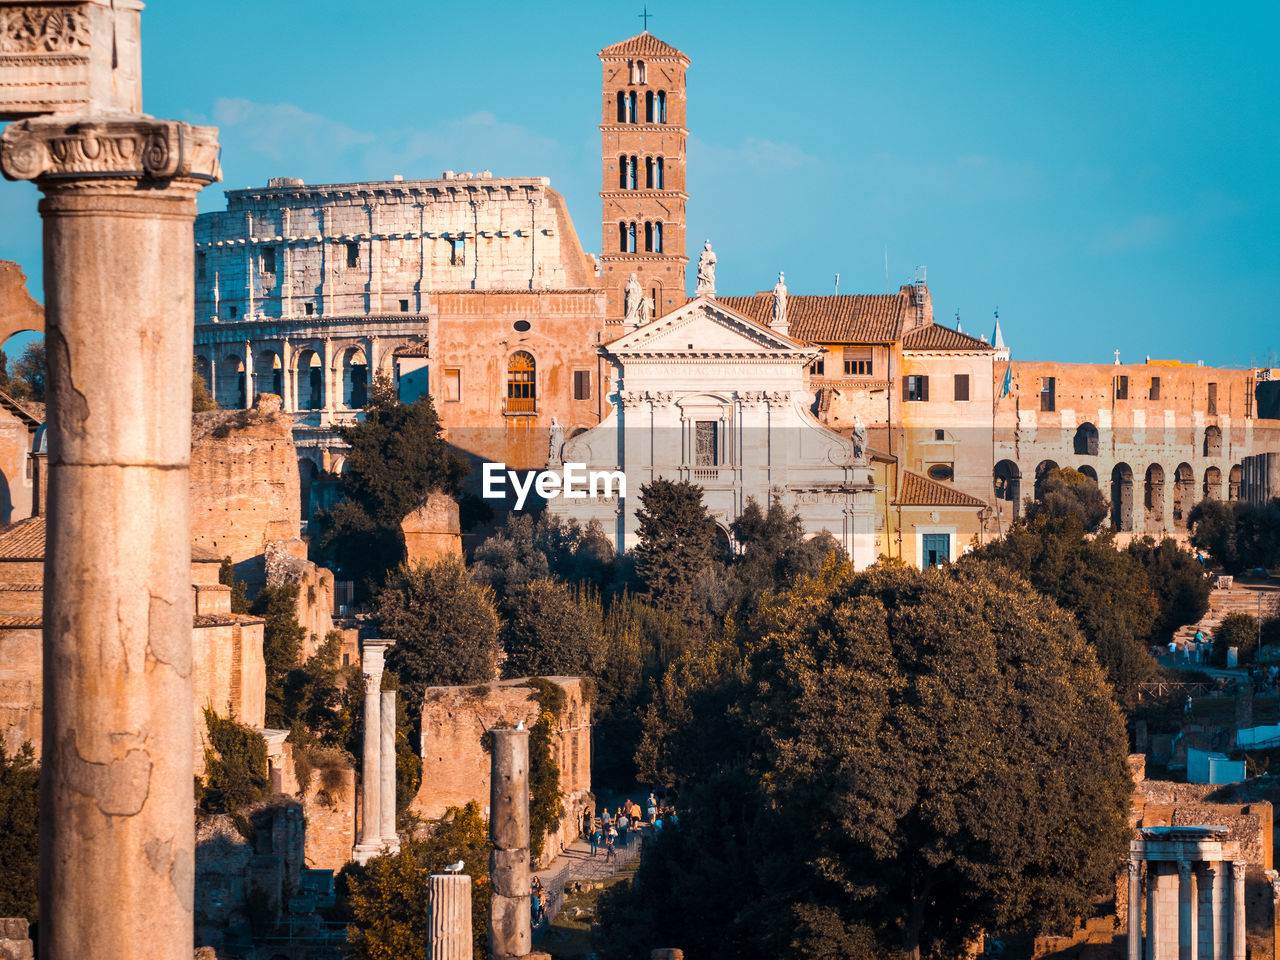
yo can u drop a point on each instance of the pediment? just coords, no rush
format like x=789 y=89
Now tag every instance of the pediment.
x=704 y=326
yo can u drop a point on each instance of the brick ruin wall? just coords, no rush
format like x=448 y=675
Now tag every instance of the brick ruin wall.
x=455 y=766
x=331 y=820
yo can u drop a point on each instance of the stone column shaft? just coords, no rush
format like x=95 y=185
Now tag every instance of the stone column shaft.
x=371 y=765
x=449 y=916
x=1238 y=942
x=1186 y=911
x=509 y=915
x=116 y=832
x=1135 y=909
x=387 y=771
x=1153 y=898
x=250 y=381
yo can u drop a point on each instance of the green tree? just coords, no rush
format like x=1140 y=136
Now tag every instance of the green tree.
x=1178 y=581
x=282 y=638
x=239 y=592
x=26 y=376
x=553 y=629
x=525 y=549
x=1240 y=536
x=235 y=765
x=397 y=457
x=445 y=626
x=1064 y=492
x=201 y=399
x=677 y=547
x=773 y=550
x=1239 y=630
x=386 y=898
x=19 y=833
x=1213 y=530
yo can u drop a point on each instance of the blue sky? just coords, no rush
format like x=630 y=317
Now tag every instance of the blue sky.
x=1107 y=175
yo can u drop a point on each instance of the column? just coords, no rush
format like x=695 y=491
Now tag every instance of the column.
x=1153 y=897
x=1238 y=868
x=1135 y=908
x=116 y=833
x=370 y=843
x=1208 y=920
x=387 y=772
x=1186 y=911
x=449 y=916
x=509 y=932
x=250 y=383
x=327 y=376
x=288 y=386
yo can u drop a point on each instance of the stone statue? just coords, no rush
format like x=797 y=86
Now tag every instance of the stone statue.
x=780 y=304
x=706 y=272
x=646 y=310
x=859 y=438
x=632 y=295
x=555 y=442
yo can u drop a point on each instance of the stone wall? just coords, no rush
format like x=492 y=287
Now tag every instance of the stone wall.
x=285 y=561
x=331 y=819
x=20 y=702
x=455 y=767
x=1164 y=803
x=432 y=531
x=244 y=484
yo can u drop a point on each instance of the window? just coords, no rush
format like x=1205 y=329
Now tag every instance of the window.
x=582 y=384
x=232 y=311
x=622 y=237
x=857 y=362
x=353 y=253
x=649 y=111
x=268 y=259
x=630 y=239
x=521 y=383
x=622 y=107
x=939 y=434
x=962 y=386
x=941 y=471
x=915 y=387
x=622 y=171
x=202 y=265
x=1048 y=394
x=452 y=385
x=818 y=368
x=404 y=306
x=522 y=326
x=706 y=450
x=662 y=107
x=935 y=549
x=642 y=75
x=457 y=252
x=657 y=240
x=633 y=173
x=631 y=108
x=310 y=308
x=660 y=182
x=648 y=238
x=1154 y=392
x=648 y=173
x=1122 y=388
x=1213 y=400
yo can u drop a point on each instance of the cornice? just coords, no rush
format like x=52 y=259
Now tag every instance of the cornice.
x=643 y=128
x=50 y=149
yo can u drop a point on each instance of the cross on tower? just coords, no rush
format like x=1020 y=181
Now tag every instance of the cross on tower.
x=645 y=17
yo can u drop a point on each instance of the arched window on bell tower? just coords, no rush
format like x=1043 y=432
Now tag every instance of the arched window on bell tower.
x=660 y=180
x=662 y=107
x=648 y=237
x=648 y=173
x=641 y=73
x=622 y=172
x=631 y=238
x=622 y=237
x=633 y=180
x=649 y=107
x=631 y=108
x=657 y=237
x=622 y=107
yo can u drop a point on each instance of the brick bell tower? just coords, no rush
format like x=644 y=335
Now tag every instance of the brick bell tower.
x=642 y=136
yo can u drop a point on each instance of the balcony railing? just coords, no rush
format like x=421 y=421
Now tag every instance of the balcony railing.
x=520 y=406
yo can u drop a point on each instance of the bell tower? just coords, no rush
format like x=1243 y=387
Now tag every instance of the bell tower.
x=642 y=199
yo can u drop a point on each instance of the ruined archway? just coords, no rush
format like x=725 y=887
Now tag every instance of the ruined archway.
x=1213 y=484
x=1089 y=472
x=355 y=378
x=1086 y=440
x=230 y=386
x=1233 y=482
x=1008 y=484
x=1212 y=441
x=1153 y=497
x=1042 y=471
x=1122 y=497
x=268 y=373
x=308 y=383
x=1184 y=482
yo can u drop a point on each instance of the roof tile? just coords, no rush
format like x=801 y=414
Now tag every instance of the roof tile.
x=645 y=44
x=856 y=318
x=920 y=491
x=935 y=337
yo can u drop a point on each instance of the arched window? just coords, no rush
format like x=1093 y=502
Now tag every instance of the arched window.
x=622 y=172
x=622 y=236
x=642 y=75
x=633 y=178
x=521 y=383
x=648 y=107
x=648 y=237
x=659 y=181
x=1212 y=441
x=622 y=107
x=1122 y=497
x=648 y=173
x=662 y=107
x=631 y=238
x=1086 y=442
x=657 y=237
x=631 y=107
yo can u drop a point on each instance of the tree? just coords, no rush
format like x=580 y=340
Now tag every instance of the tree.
x=1240 y=536
x=25 y=378
x=1239 y=630
x=239 y=591
x=445 y=627
x=282 y=638
x=526 y=549
x=1213 y=530
x=1178 y=581
x=553 y=629
x=19 y=833
x=1064 y=492
x=677 y=545
x=907 y=752
x=386 y=898
x=773 y=550
x=397 y=458
x=201 y=399
x=235 y=765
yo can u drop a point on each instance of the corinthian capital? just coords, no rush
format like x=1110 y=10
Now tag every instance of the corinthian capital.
x=54 y=148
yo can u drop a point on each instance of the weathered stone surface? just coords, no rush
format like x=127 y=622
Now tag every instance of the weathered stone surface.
x=509 y=871
x=509 y=931
x=18 y=309
x=449 y=916
x=509 y=790
x=432 y=531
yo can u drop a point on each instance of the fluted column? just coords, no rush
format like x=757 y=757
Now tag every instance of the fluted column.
x=509 y=932
x=449 y=916
x=116 y=832
x=1238 y=868
x=1186 y=911
x=371 y=662
x=387 y=772
x=1135 y=908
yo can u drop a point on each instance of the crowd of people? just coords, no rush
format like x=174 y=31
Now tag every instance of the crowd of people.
x=613 y=830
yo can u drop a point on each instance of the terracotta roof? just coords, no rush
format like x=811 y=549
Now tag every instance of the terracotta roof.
x=845 y=318
x=934 y=337
x=23 y=540
x=920 y=491
x=20 y=623
x=645 y=44
x=28 y=410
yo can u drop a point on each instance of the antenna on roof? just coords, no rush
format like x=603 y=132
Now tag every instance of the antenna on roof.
x=886 y=268
x=837 y=284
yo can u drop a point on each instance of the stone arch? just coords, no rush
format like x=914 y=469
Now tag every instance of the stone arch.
x=1008 y=483
x=1212 y=484
x=1212 y=441
x=354 y=368
x=308 y=471
x=1042 y=471
x=1233 y=482
x=268 y=373
x=1089 y=472
x=230 y=389
x=1153 y=497
x=1122 y=497
x=308 y=380
x=522 y=383
x=1183 y=494
x=1086 y=440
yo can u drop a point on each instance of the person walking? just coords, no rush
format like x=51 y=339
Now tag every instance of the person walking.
x=595 y=841
x=586 y=824
x=623 y=823
x=652 y=808
x=610 y=838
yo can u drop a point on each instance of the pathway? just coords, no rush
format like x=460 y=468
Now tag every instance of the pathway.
x=576 y=865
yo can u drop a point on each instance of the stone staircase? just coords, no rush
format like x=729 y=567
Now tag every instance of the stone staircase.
x=1249 y=598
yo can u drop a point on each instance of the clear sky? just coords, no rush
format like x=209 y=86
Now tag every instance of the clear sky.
x=1106 y=174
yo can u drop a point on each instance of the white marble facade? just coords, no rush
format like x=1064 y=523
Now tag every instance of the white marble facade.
x=709 y=395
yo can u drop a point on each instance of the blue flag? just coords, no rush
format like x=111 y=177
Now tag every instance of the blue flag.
x=1008 y=380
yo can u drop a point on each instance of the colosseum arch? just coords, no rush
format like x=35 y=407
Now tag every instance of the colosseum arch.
x=1008 y=484
x=1042 y=471
x=1153 y=497
x=1122 y=497
x=308 y=383
x=1086 y=440
x=1212 y=484
x=1184 y=482
x=1089 y=472
x=268 y=373
x=1233 y=482
x=1212 y=441
x=230 y=390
